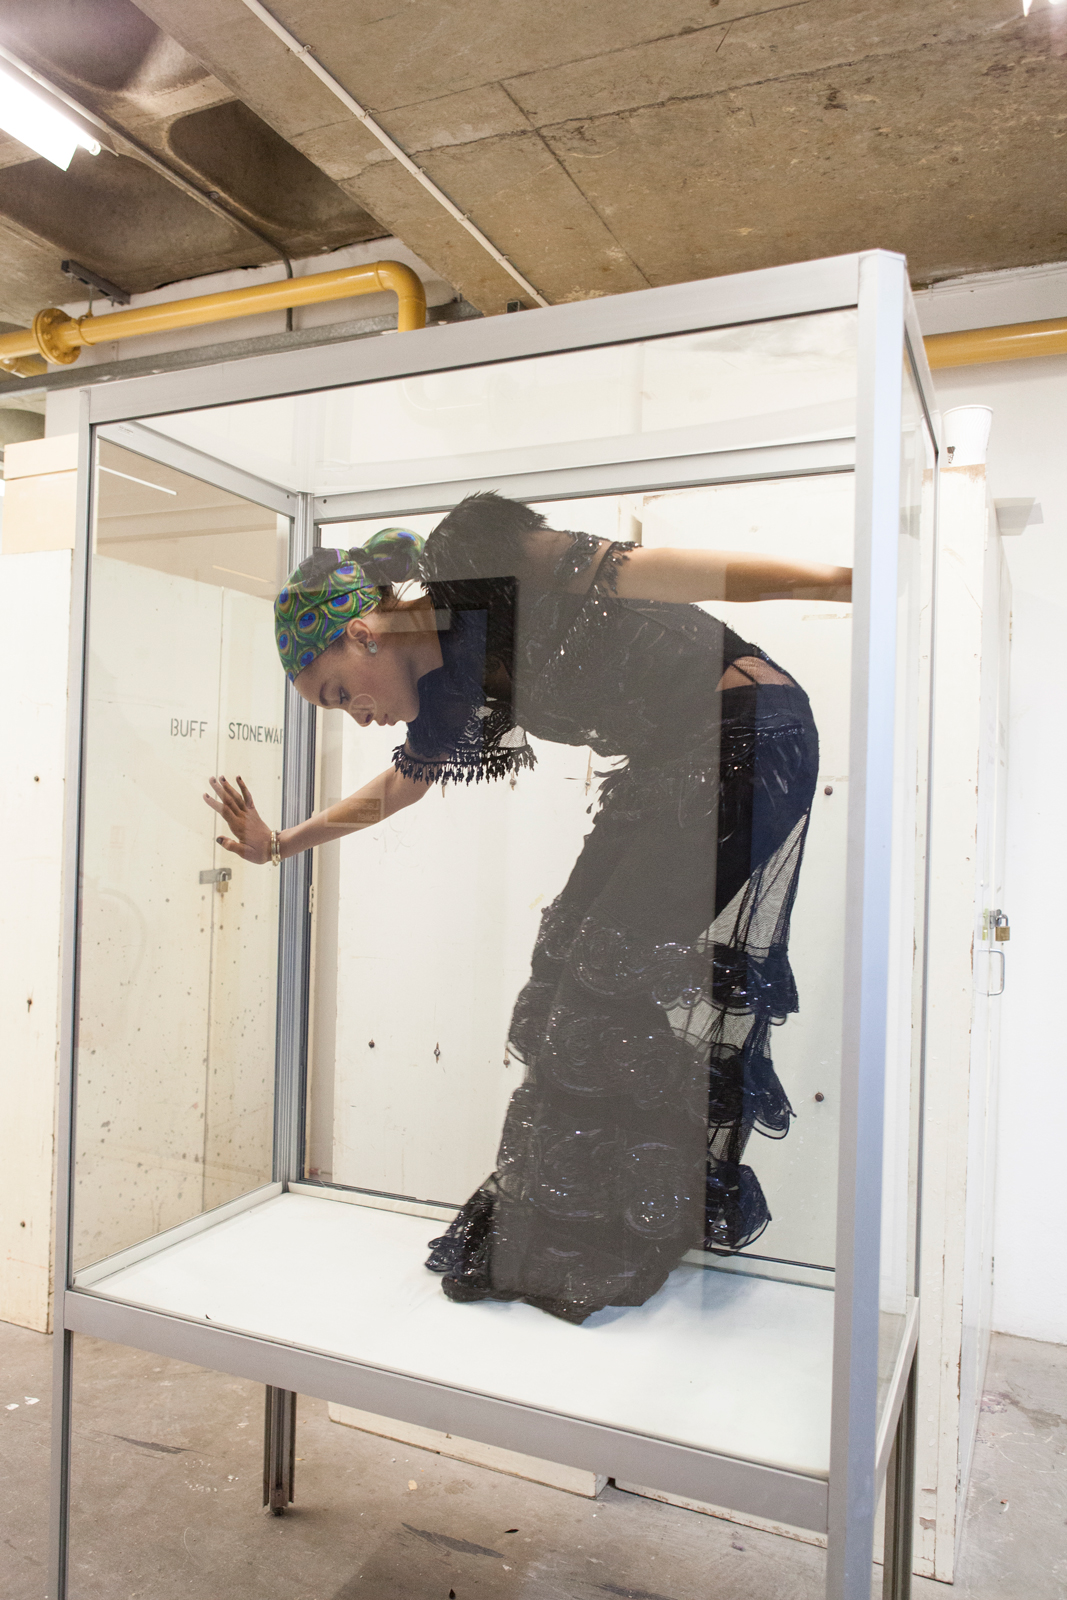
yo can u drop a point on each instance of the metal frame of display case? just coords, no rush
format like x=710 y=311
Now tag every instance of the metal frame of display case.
x=864 y=1451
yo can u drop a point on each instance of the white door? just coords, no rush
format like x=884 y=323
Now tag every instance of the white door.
x=992 y=972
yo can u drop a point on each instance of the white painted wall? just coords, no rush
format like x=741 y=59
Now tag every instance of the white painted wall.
x=32 y=737
x=33 y=713
x=1028 y=457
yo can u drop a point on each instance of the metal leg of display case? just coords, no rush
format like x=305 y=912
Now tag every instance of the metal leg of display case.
x=62 y=1374
x=63 y=1339
x=279 y=1450
x=900 y=1502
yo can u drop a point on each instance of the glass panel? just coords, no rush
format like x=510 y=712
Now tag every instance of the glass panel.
x=552 y=987
x=175 y=1055
x=444 y=1153
x=420 y=1047
x=726 y=389
x=908 y=893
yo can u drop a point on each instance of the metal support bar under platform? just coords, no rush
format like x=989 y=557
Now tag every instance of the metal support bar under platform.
x=279 y=1449
x=900 y=1501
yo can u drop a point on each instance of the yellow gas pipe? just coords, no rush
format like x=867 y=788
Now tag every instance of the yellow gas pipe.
x=1014 y=341
x=59 y=338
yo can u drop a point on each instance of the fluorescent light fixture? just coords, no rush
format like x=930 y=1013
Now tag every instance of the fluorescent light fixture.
x=36 y=120
x=234 y=573
x=143 y=481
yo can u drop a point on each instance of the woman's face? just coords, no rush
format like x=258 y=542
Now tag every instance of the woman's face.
x=370 y=673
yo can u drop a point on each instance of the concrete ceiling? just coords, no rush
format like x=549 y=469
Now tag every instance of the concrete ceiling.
x=602 y=146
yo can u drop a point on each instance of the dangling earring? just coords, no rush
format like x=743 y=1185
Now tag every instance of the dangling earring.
x=372 y=648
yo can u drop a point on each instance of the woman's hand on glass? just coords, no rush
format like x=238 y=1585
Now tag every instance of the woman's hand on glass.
x=251 y=836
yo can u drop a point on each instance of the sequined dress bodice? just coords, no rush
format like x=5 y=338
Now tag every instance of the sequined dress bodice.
x=629 y=678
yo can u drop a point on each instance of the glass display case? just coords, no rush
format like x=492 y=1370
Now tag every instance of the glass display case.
x=574 y=1108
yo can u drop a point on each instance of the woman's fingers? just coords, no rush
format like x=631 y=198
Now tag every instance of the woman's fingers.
x=220 y=792
x=225 y=809
x=235 y=848
x=238 y=812
x=226 y=791
x=228 y=805
x=232 y=805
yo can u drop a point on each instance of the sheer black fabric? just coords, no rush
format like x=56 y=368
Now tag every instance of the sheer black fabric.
x=506 y=607
x=465 y=732
x=662 y=966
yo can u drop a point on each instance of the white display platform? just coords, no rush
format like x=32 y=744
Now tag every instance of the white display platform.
x=736 y=1365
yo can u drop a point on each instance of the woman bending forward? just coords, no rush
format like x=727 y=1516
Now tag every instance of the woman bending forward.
x=658 y=971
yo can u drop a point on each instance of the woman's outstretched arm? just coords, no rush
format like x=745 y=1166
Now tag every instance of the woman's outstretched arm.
x=686 y=576
x=382 y=797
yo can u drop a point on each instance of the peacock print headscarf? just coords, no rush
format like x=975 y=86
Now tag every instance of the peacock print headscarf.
x=332 y=586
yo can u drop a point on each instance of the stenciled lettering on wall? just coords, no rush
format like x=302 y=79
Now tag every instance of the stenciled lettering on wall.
x=239 y=732
x=254 y=733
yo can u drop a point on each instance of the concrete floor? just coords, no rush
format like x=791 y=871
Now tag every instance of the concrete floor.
x=167 y=1503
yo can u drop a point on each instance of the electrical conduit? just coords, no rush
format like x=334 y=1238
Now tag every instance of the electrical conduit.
x=338 y=90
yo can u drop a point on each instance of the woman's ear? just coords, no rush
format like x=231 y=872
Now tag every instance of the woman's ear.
x=362 y=636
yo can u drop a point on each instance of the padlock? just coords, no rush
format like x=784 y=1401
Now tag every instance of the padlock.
x=219 y=876
x=1001 y=928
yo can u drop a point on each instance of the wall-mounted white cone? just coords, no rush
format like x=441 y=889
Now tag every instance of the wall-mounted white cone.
x=965 y=431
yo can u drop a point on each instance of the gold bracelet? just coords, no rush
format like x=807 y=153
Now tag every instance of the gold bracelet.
x=275 y=848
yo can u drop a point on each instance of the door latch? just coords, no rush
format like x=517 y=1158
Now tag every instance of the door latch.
x=996 y=930
x=219 y=876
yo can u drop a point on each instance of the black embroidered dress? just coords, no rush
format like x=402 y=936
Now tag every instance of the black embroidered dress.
x=660 y=968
